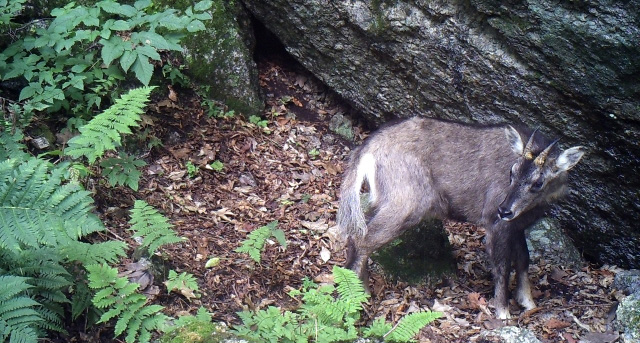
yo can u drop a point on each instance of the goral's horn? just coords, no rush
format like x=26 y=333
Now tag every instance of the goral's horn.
x=542 y=157
x=527 y=153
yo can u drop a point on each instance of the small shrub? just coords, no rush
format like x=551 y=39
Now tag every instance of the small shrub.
x=122 y=170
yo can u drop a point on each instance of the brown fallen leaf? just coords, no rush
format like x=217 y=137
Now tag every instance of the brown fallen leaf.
x=494 y=323
x=554 y=324
x=173 y=96
x=599 y=337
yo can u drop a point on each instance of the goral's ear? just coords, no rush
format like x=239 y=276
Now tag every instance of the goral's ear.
x=515 y=141
x=569 y=158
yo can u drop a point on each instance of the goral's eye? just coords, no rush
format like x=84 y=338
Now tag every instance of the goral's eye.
x=511 y=173
x=537 y=185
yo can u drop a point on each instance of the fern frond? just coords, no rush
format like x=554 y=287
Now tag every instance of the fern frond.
x=254 y=244
x=19 y=318
x=11 y=285
x=88 y=254
x=21 y=334
x=410 y=324
x=10 y=146
x=104 y=131
x=80 y=300
x=350 y=288
x=124 y=303
x=36 y=210
x=153 y=227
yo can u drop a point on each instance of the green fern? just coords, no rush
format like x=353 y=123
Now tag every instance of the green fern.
x=254 y=244
x=103 y=132
x=183 y=283
x=153 y=227
x=10 y=146
x=122 y=170
x=120 y=299
x=378 y=328
x=36 y=210
x=42 y=220
x=19 y=320
x=350 y=287
x=327 y=314
x=409 y=326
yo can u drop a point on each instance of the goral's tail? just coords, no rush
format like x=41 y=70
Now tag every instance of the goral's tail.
x=350 y=218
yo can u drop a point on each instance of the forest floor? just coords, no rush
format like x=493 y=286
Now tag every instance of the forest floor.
x=290 y=172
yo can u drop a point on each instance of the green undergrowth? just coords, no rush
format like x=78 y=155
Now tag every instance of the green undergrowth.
x=327 y=313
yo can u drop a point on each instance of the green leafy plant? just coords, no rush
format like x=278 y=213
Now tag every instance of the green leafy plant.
x=217 y=165
x=43 y=221
x=122 y=170
x=254 y=244
x=85 y=51
x=154 y=228
x=314 y=153
x=19 y=319
x=258 y=121
x=183 y=283
x=104 y=132
x=175 y=75
x=192 y=170
x=327 y=314
x=195 y=329
x=120 y=299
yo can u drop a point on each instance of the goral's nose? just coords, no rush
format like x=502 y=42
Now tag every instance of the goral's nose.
x=505 y=213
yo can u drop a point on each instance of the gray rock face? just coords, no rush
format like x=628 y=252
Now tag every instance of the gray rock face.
x=570 y=68
x=628 y=318
x=627 y=281
x=547 y=241
x=508 y=334
x=221 y=57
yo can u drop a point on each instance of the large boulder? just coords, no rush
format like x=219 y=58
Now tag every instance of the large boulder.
x=221 y=58
x=570 y=68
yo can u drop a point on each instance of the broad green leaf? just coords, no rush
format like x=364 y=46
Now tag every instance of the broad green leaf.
x=120 y=25
x=78 y=68
x=195 y=26
x=279 y=236
x=116 y=8
x=27 y=92
x=55 y=93
x=111 y=49
x=17 y=69
x=127 y=59
x=148 y=51
x=155 y=40
x=77 y=82
x=142 y=4
x=203 y=5
x=143 y=69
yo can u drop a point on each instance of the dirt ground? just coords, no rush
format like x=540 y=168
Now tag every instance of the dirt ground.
x=290 y=172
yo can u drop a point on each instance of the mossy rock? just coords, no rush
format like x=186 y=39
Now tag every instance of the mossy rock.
x=221 y=57
x=200 y=332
